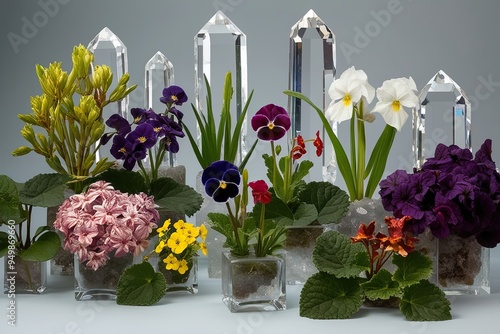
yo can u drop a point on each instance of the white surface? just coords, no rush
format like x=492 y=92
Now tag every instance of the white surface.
x=56 y=311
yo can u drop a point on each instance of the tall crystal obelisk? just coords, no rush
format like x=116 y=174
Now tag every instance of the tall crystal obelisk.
x=220 y=47
x=311 y=72
x=158 y=74
x=443 y=116
x=109 y=50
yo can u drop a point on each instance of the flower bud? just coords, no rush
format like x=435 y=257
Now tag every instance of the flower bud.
x=21 y=151
x=82 y=58
x=102 y=78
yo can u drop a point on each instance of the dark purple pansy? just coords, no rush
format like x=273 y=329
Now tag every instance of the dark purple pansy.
x=140 y=115
x=119 y=123
x=143 y=135
x=174 y=95
x=121 y=147
x=221 y=180
x=177 y=113
x=271 y=122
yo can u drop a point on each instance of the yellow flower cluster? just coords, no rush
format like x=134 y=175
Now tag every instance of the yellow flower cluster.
x=178 y=244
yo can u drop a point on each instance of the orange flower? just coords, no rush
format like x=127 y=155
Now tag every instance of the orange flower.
x=365 y=233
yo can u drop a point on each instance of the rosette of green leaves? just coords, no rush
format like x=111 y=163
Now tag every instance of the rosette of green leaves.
x=69 y=114
x=219 y=141
x=16 y=204
x=338 y=290
x=316 y=202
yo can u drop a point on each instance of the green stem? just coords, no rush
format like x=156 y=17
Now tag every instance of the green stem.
x=353 y=143
x=27 y=244
x=275 y=169
x=361 y=159
x=235 y=224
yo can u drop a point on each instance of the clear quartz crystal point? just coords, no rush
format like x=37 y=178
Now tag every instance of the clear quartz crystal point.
x=312 y=67
x=109 y=50
x=220 y=47
x=443 y=116
x=158 y=74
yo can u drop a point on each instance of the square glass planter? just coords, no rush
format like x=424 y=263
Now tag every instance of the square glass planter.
x=176 y=282
x=251 y=283
x=461 y=265
x=100 y=284
x=24 y=277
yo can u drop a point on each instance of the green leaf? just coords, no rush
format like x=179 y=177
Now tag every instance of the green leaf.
x=341 y=156
x=43 y=249
x=424 y=301
x=331 y=202
x=411 y=269
x=140 y=285
x=304 y=215
x=335 y=254
x=381 y=286
x=173 y=196
x=124 y=180
x=4 y=243
x=9 y=200
x=222 y=224
x=325 y=296
x=44 y=190
x=301 y=172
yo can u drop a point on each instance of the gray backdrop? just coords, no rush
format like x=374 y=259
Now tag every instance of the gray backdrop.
x=417 y=38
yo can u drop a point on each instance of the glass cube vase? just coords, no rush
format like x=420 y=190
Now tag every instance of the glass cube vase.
x=461 y=265
x=100 y=284
x=24 y=277
x=176 y=282
x=251 y=283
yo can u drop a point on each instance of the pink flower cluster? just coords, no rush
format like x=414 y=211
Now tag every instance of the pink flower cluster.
x=104 y=220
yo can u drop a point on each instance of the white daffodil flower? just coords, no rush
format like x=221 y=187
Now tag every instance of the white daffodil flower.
x=348 y=90
x=392 y=96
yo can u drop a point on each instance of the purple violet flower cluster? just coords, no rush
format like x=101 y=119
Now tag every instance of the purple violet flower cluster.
x=132 y=145
x=453 y=193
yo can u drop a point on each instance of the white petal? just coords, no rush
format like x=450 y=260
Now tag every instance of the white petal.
x=395 y=119
x=382 y=107
x=410 y=100
x=337 y=112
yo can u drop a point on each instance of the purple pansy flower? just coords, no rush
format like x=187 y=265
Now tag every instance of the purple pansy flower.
x=271 y=122
x=174 y=95
x=143 y=135
x=221 y=180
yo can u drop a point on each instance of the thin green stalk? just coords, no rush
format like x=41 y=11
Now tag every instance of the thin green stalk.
x=275 y=167
x=353 y=143
x=234 y=222
x=260 y=250
x=361 y=159
x=27 y=244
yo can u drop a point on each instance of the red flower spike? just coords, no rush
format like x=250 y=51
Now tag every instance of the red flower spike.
x=260 y=192
x=318 y=143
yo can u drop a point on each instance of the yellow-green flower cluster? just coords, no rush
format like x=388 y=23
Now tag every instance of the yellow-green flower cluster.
x=177 y=245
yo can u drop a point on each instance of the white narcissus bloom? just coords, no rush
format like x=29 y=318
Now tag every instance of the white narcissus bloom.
x=392 y=96
x=348 y=89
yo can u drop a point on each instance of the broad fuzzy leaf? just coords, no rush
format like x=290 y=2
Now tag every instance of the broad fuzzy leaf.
x=222 y=224
x=9 y=200
x=124 y=180
x=44 y=190
x=412 y=268
x=424 y=301
x=335 y=254
x=325 y=296
x=381 y=286
x=140 y=285
x=331 y=202
x=176 y=197
x=280 y=212
x=43 y=249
